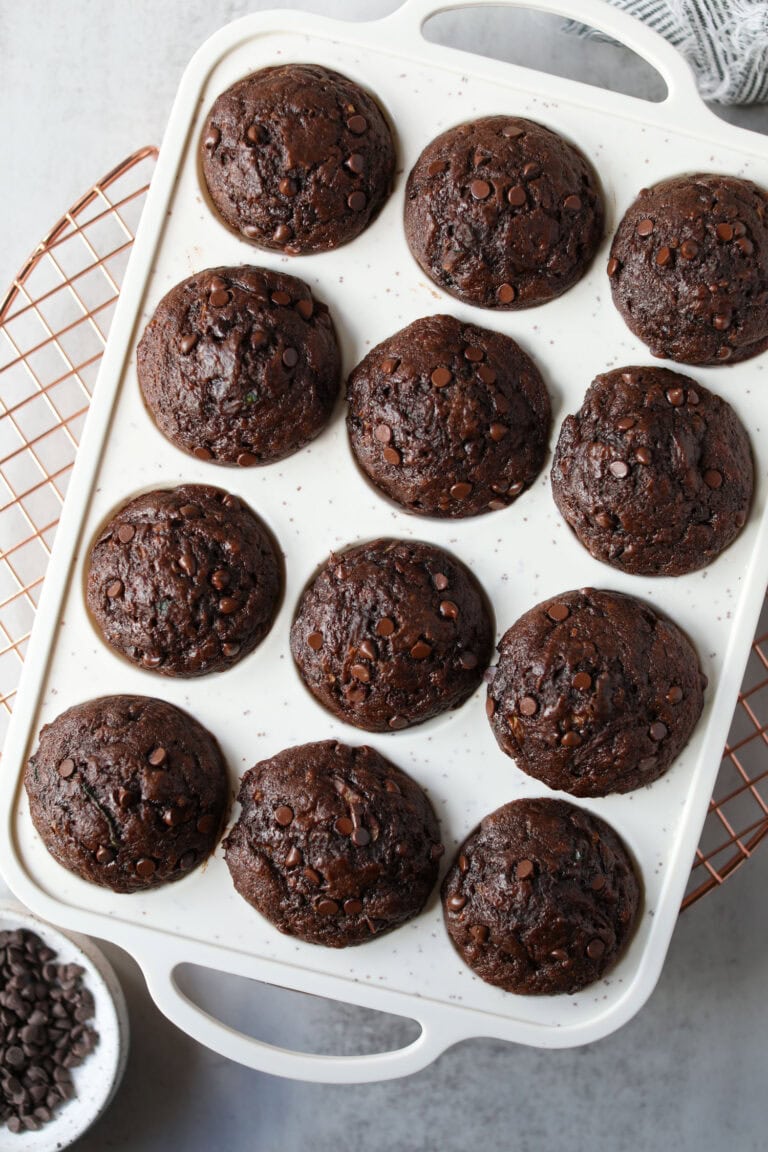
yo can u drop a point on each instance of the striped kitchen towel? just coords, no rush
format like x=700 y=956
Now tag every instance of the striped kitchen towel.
x=724 y=41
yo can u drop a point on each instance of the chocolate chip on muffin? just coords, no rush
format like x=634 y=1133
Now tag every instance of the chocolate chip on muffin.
x=503 y=213
x=392 y=633
x=127 y=792
x=654 y=472
x=184 y=581
x=542 y=898
x=334 y=844
x=689 y=269
x=594 y=692
x=240 y=365
x=297 y=158
x=449 y=419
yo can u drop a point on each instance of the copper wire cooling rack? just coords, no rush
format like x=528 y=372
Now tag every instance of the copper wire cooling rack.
x=54 y=322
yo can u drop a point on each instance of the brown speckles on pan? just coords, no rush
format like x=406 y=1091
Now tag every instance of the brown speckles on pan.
x=595 y=692
x=689 y=268
x=297 y=158
x=654 y=472
x=503 y=213
x=200 y=580
x=542 y=899
x=127 y=792
x=241 y=364
x=334 y=845
x=448 y=419
x=373 y=640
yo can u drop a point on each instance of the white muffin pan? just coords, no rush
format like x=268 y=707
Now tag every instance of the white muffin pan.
x=317 y=500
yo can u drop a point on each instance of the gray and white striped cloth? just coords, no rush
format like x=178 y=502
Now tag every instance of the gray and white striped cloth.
x=724 y=41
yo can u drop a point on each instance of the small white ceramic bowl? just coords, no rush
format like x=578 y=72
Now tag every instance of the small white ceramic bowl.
x=97 y=1078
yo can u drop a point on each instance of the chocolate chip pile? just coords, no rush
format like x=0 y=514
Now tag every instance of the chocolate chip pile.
x=44 y=1030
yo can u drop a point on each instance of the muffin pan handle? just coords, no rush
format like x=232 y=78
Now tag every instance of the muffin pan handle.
x=629 y=31
x=439 y=1029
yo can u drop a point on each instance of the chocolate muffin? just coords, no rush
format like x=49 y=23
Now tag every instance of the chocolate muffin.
x=391 y=633
x=449 y=419
x=334 y=844
x=297 y=158
x=184 y=581
x=653 y=473
x=594 y=692
x=503 y=213
x=240 y=365
x=689 y=269
x=127 y=792
x=542 y=898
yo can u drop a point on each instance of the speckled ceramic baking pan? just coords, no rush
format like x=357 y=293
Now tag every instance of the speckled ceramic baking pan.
x=317 y=500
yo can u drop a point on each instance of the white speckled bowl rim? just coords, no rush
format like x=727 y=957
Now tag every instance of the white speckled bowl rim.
x=317 y=500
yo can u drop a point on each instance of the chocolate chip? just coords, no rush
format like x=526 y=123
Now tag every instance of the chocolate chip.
x=647 y=763
x=721 y=322
x=512 y=131
x=595 y=949
x=675 y=694
x=474 y=354
x=488 y=376
x=524 y=869
x=713 y=478
x=353 y=907
x=211 y=138
x=461 y=490
x=360 y=837
x=570 y=740
x=327 y=907
x=251 y=231
x=151 y=660
x=440 y=581
x=368 y=650
x=724 y=232
x=463 y=864
x=293 y=858
x=604 y=520
x=397 y=723
x=145 y=867
x=392 y=786
x=643 y=456
x=228 y=605
x=255 y=133
x=290 y=358
x=559 y=954
x=456 y=903
x=658 y=731
x=724 y=353
x=582 y=681
x=449 y=609
x=745 y=245
x=284 y=815
x=360 y=672
x=645 y=227
x=490 y=707
x=663 y=256
x=357 y=125
x=480 y=189
x=187 y=343
x=517 y=196
x=558 y=612
x=282 y=299
x=498 y=432
x=468 y=661
x=383 y=433
x=202 y=453
x=388 y=366
x=421 y=650
x=385 y=626
x=531 y=170
x=391 y=455
x=344 y=826
x=288 y=187
x=505 y=293
x=355 y=163
x=689 y=249
x=105 y=855
x=572 y=203
x=157 y=757
x=172 y=817
x=613 y=266
x=219 y=299
x=676 y=397
x=598 y=883
x=619 y=469
x=282 y=234
x=441 y=377
x=66 y=768
x=305 y=309
x=528 y=706
x=357 y=201
x=126 y=533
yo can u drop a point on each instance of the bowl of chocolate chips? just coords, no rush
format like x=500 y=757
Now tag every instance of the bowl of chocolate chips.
x=63 y=1034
